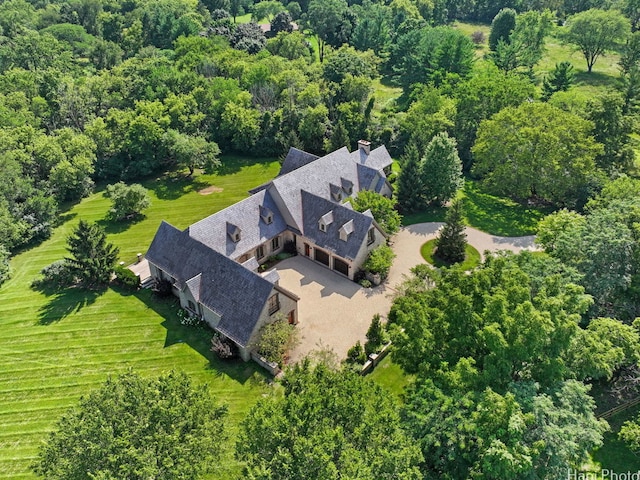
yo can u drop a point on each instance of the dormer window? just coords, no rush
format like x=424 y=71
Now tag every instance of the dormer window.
x=346 y=230
x=347 y=186
x=266 y=215
x=325 y=221
x=234 y=232
x=336 y=192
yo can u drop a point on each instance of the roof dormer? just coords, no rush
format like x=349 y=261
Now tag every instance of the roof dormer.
x=234 y=232
x=336 y=192
x=325 y=221
x=345 y=230
x=266 y=214
x=347 y=185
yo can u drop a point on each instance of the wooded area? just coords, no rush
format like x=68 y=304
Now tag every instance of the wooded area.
x=96 y=92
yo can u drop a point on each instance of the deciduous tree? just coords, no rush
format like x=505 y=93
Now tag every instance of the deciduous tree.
x=382 y=208
x=441 y=170
x=329 y=425
x=136 y=428
x=127 y=200
x=596 y=31
x=536 y=150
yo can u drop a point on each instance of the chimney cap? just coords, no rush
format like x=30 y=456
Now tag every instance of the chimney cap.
x=364 y=145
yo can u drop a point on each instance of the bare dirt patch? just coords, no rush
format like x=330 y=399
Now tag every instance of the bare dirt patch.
x=210 y=190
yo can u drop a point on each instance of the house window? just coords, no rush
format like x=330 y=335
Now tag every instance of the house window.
x=275 y=243
x=237 y=237
x=192 y=306
x=269 y=219
x=260 y=252
x=322 y=226
x=371 y=236
x=274 y=304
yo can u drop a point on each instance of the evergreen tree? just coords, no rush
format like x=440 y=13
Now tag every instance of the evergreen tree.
x=339 y=138
x=376 y=336
x=502 y=26
x=558 y=81
x=410 y=186
x=93 y=259
x=452 y=241
x=441 y=169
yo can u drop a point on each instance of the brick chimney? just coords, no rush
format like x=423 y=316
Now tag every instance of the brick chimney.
x=364 y=146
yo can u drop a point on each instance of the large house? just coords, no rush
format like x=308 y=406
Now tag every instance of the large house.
x=214 y=265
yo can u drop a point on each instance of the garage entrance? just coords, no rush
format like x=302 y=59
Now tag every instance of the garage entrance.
x=322 y=257
x=340 y=266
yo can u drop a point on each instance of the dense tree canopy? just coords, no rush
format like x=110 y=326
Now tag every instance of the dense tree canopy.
x=136 y=428
x=537 y=151
x=330 y=425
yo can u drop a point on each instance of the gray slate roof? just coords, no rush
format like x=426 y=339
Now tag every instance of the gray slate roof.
x=296 y=159
x=377 y=159
x=212 y=231
x=315 y=208
x=315 y=178
x=235 y=293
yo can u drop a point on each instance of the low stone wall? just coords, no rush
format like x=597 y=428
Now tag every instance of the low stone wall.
x=375 y=359
x=270 y=367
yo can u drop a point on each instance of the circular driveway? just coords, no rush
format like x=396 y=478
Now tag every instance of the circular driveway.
x=334 y=312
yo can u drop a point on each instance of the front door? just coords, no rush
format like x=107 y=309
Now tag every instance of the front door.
x=307 y=250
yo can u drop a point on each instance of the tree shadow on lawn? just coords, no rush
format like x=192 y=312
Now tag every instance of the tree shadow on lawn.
x=198 y=338
x=595 y=78
x=174 y=185
x=112 y=226
x=500 y=216
x=65 y=302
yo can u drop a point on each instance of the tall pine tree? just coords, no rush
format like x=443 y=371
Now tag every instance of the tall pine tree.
x=452 y=241
x=93 y=259
x=410 y=187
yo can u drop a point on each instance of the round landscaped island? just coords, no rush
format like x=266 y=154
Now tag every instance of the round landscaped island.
x=471 y=256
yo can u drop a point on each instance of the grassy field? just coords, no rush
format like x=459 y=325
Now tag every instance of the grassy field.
x=55 y=348
x=489 y=213
x=390 y=376
x=471 y=260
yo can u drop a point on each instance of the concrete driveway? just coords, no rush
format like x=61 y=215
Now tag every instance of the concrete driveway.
x=334 y=312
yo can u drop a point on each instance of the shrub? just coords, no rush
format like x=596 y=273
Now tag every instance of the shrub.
x=356 y=354
x=163 y=288
x=380 y=260
x=478 y=37
x=275 y=339
x=58 y=275
x=223 y=347
x=377 y=337
x=188 y=319
x=365 y=283
x=127 y=278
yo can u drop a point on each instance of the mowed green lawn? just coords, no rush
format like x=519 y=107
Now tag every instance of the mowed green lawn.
x=55 y=348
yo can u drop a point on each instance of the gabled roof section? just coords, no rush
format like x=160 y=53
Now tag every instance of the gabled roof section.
x=314 y=178
x=296 y=159
x=193 y=284
x=377 y=159
x=245 y=214
x=315 y=207
x=224 y=283
x=336 y=192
